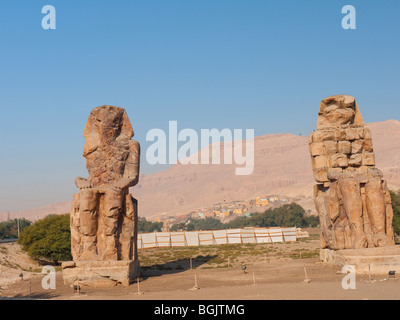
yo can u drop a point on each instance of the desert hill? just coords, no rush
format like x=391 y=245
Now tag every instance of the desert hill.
x=282 y=166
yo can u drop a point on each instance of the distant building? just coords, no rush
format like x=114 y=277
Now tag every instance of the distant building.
x=217 y=213
x=262 y=202
x=225 y=213
x=209 y=214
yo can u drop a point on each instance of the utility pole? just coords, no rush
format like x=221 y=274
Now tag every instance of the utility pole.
x=18 y=226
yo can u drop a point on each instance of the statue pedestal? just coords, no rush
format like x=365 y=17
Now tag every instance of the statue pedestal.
x=378 y=261
x=100 y=273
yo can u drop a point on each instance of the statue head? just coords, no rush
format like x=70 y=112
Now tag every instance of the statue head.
x=105 y=125
x=338 y=111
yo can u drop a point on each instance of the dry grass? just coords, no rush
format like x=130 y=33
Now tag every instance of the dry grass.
x=223 y=256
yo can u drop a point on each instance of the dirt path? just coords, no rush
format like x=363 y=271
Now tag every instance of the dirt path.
x=13 y=262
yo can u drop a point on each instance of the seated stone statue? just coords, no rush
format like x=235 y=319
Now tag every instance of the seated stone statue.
x=351 y=197
x=104 y=214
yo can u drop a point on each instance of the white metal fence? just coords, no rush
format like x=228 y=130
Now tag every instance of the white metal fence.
x=216 y=237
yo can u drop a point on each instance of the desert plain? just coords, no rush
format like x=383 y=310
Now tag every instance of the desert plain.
x=284 y=271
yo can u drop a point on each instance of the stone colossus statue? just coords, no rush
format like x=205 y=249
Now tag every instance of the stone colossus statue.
x=104 y=214
x=351 y=197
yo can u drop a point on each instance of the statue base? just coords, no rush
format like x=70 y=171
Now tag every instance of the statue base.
x=378 y=261
x=100 y=274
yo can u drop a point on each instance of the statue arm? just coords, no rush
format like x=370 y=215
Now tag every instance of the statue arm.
x=132 y=166
x=82 y=183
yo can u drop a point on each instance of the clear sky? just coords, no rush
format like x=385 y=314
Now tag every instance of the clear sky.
x=236 y=64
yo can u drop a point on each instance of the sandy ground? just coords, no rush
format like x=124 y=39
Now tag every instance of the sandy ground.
x=13 y=262
x=276 y=280
x=265 y=279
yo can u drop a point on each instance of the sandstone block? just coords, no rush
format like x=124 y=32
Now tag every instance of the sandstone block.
x=355 y=160
x=367 y=134
x=340 y=134
x=368 y=159
x=331 y=147
x=323 y=135
x=357 y=146
x=344 y=147
x=368 y=146
x=321 y=175
x=317 y=149
x=354 y=134
x=99 y=274
x=321 y=162
x=339 y=160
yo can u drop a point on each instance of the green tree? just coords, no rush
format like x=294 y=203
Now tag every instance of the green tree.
x=289 y=215
x=148 y=226
x=9 y=229
x=178 y=227
x=396 y=211
x=190 y=226
x=206 y=224
x=48 y=239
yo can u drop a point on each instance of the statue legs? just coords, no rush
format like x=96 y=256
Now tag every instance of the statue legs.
x=88 y=219
x=112 y=202
x=103 y=225
x=350 y=191
x=75 y=228
x=128 y=237
x=376 y=209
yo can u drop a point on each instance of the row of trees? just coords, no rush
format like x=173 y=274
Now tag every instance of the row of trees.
x=290 y=215
x=396 y=211
x=148 y=226
x=9 y=229
x=49 y=239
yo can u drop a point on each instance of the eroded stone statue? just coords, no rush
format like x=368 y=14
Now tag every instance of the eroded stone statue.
x=104 y=214
x=351 y=197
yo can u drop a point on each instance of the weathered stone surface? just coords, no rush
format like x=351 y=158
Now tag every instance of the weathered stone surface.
x=355 y=160
x=344 y=147
x=100 y=273
x=354 y=134
x=321 y=175
x=368 y=159
x=104 y=215
x=368 y=146
x=351 y=198
x=339 y=160
x=321 y=162
x=317 y=149
x=331 y=147
x=323 y=135
x=357 y=146
x=374 y=261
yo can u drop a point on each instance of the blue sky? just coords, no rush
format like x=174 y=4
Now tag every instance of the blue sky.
x=204 y=63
